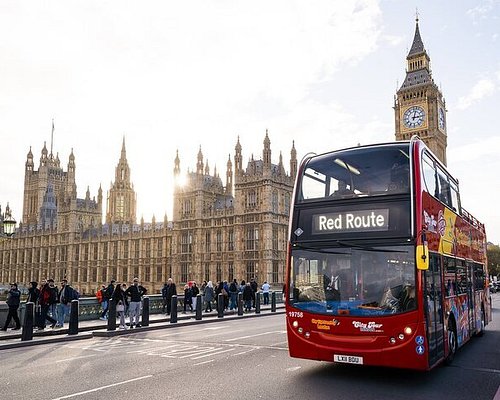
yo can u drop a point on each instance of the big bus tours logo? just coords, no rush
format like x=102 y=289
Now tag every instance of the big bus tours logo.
x=435 y=225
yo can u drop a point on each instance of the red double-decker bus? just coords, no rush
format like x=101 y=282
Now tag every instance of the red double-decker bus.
x=385 y=267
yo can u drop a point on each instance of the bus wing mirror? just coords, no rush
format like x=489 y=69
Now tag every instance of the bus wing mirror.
x=422 y=257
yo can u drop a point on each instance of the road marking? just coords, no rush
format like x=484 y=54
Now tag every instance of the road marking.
x=204 y=362
x=102 y=387
x=291 y=369
x=207 y=355
x=75 y=358
x=252 y=336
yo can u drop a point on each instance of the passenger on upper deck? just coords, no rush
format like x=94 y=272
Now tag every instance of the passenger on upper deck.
x=342 y=191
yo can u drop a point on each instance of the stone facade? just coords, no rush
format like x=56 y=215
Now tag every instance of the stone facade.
x=237 y=230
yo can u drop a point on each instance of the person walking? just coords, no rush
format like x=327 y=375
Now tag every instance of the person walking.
x=47 y=297
x=64 y=297
x=254 y=286
x=53 y=298
x=248 y=296
x=120 y=298
x=171 y=291
x=33 y=296
x=209 y=296
x=164 y=291
x=194 y=293
x=135 y=292
x=188 y=298
x=13 y=301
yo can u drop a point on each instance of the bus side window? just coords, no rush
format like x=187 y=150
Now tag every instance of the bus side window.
x=450 y=276
x=429 y=175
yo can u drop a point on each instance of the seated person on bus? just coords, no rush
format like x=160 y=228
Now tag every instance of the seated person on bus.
x=342 y=191
x=400 y=175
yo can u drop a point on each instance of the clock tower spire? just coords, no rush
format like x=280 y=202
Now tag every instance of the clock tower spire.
x=419 y=106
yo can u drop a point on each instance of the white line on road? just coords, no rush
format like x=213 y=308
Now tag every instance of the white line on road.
x=204 y=362
x=75 y=358
x=102 y=387
x=211 y=354
x=251 y=336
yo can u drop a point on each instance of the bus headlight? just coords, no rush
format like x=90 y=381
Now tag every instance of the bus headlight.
x=408 y=331
x=295 y=324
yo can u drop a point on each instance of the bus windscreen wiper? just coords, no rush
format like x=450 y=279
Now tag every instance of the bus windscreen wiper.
x=368 y=248
x=318 y=250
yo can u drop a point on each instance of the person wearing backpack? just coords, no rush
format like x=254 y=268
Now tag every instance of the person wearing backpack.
x=45 y=300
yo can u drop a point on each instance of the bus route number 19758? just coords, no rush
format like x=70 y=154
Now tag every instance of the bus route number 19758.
x=295 y=314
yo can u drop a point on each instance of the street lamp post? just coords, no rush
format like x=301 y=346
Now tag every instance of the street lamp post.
x=8 y=222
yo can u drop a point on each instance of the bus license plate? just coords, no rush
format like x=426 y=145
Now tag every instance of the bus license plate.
x=347 y=359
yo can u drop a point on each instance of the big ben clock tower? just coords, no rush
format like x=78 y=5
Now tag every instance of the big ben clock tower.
x=419 y=105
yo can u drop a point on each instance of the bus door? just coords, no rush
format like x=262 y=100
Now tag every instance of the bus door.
x=433 y=301
x=470 y=296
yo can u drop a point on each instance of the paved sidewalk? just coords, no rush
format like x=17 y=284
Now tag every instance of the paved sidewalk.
x=98 y=328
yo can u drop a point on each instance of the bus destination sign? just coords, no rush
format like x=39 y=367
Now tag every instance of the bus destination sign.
x=351 y=221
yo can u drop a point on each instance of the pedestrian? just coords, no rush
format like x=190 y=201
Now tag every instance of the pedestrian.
x=254 y=286
x=248 y=296
x=164 y=291
x=209 y=296
x=47 y=297
x=64 y=297
x=171 y=291
x=194 y=293
x=120 y=298
x=33 y=295
x=13 y=301
x=135 y=292
x=233 y=294
x=106 y=297
x=188 y=298
x=53 y=298
x=99 y=295
x=265 y=292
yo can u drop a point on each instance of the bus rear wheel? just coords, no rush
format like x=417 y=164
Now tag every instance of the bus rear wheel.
x=452 y=343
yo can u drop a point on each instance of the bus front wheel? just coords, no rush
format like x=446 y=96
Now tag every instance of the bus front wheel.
x=452 y=343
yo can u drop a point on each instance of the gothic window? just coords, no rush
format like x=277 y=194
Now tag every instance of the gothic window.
x=275 y=238
x=250 y=238
x=218 y=272
x=230 y=271
x=275 y=274
x=219 y=240
x=120 y=206
x=207 y=272
x=250 y=272
x=230 y=240
x=207 y=242
x=274 y=202
x=287 y=203
x=251 y=199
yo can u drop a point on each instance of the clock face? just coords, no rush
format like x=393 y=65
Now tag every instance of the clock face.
x=414 y=117
x=441 y=118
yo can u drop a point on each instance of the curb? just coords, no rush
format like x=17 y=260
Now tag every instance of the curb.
x=89 y=333
x=190 y=322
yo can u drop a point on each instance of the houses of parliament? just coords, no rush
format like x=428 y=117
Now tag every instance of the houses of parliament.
x=219 y=230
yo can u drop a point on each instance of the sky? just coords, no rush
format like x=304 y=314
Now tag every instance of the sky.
x=174 y=76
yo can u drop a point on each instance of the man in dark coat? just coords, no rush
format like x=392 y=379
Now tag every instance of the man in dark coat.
x=13 y=300
x=171 y=291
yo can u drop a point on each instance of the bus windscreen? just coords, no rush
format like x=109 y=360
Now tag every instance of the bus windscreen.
x=353 y=281
x=357 y=173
